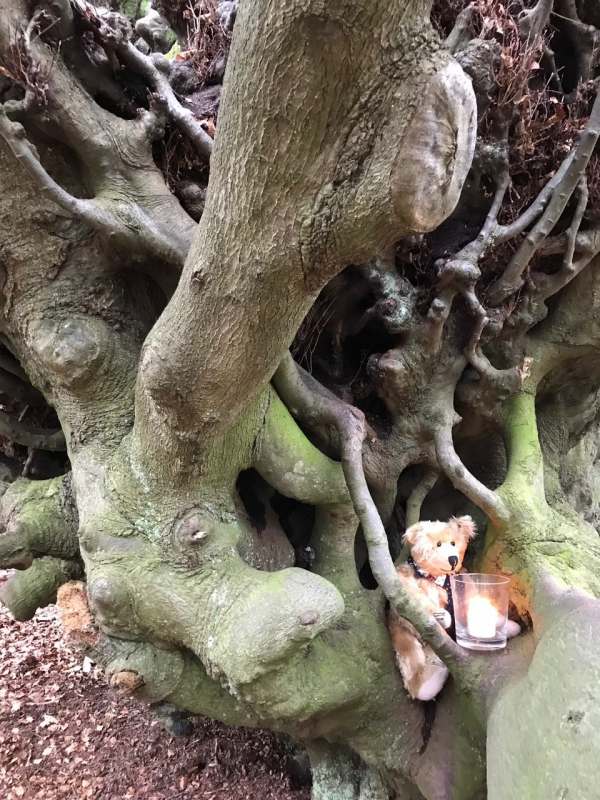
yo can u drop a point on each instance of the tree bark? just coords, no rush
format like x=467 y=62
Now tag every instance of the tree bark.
x=163 y=348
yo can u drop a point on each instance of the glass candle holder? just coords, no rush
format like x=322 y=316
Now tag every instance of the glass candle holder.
x=480 y=610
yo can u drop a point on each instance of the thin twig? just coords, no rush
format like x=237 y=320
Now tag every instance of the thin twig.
x=575 y=225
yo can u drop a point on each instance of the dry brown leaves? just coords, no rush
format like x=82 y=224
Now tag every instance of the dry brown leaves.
x=65 y=734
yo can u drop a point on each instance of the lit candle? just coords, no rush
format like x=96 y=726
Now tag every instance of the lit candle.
x=481 y=618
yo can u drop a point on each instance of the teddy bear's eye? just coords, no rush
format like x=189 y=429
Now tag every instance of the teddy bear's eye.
x=453 y=544
x=439 y=544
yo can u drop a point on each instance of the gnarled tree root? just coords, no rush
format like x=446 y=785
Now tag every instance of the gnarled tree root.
x=36 y=586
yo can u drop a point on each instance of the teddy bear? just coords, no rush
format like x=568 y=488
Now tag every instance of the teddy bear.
x=437 y=550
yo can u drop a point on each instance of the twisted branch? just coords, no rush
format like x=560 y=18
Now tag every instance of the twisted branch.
x=31 y=436
x=124 y=231
x=460 y=477
x=418 y=495
x=564 y=184
x=181 y=116
x=350 y=424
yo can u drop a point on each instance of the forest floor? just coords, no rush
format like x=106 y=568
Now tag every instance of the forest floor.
x=65 y=735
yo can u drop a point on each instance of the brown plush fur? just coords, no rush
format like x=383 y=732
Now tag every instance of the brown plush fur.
x=438 y=549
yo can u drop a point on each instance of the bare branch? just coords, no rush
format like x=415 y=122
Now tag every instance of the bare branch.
x=459 y=274
x=30 y=436
x=507 y=381
x=380 y=559
x=461 y=33
x=576 y=223
x=418 y=495
x=543 y=286
x=460 y=477
x=309 y=401
x=572 y=171
x=437 y=315
x=506 y=232
x=540 y=285
x=157 y=79
x=126 y=229
x=153 y=69
x=586 y=242
x=292 y=464
x=533 y=21
x=473 y=251
x=350 y=423
x=14 y=135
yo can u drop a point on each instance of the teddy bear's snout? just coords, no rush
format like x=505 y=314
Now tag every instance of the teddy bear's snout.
x=453 y=561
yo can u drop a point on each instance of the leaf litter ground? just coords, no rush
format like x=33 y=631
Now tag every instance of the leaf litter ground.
x=65 y=734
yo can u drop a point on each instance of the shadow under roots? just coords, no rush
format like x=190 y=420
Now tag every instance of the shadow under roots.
x=282 y=527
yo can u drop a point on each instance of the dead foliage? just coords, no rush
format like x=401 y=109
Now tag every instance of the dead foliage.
x=65 y=736
x=208 y=40
x=545 y=121
x=18 y=65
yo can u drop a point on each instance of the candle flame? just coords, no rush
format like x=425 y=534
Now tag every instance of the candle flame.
x=481 y=618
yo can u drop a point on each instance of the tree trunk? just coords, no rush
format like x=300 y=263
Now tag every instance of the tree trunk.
x=224 y=538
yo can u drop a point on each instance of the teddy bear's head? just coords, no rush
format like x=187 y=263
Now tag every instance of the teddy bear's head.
x=438 y=548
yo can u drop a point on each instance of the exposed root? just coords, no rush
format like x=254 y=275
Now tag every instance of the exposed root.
x=418 y=495
x=165 y=96
x=123 y=229
x=39 y=519
x=36 y=586
x=350 y=424
x=464 y=481
x=130 y=206
x=30 y=435
x=573 y=230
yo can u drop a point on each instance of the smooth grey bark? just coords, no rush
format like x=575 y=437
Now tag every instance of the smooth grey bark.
x=161 y=412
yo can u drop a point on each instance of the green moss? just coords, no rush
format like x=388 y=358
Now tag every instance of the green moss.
x=36 y=586
x=291 y=463
x=173 y=52
x=525 y=470
x=134 y=9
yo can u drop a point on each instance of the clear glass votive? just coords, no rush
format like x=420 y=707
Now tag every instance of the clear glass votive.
x=480 y=610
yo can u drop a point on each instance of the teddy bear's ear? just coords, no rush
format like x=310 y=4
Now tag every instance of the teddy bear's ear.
x=466 y=526
x=412 y=534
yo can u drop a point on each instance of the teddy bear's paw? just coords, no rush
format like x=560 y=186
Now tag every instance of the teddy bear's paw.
x=433 y=684
x=512 y=629
x=443 y=617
